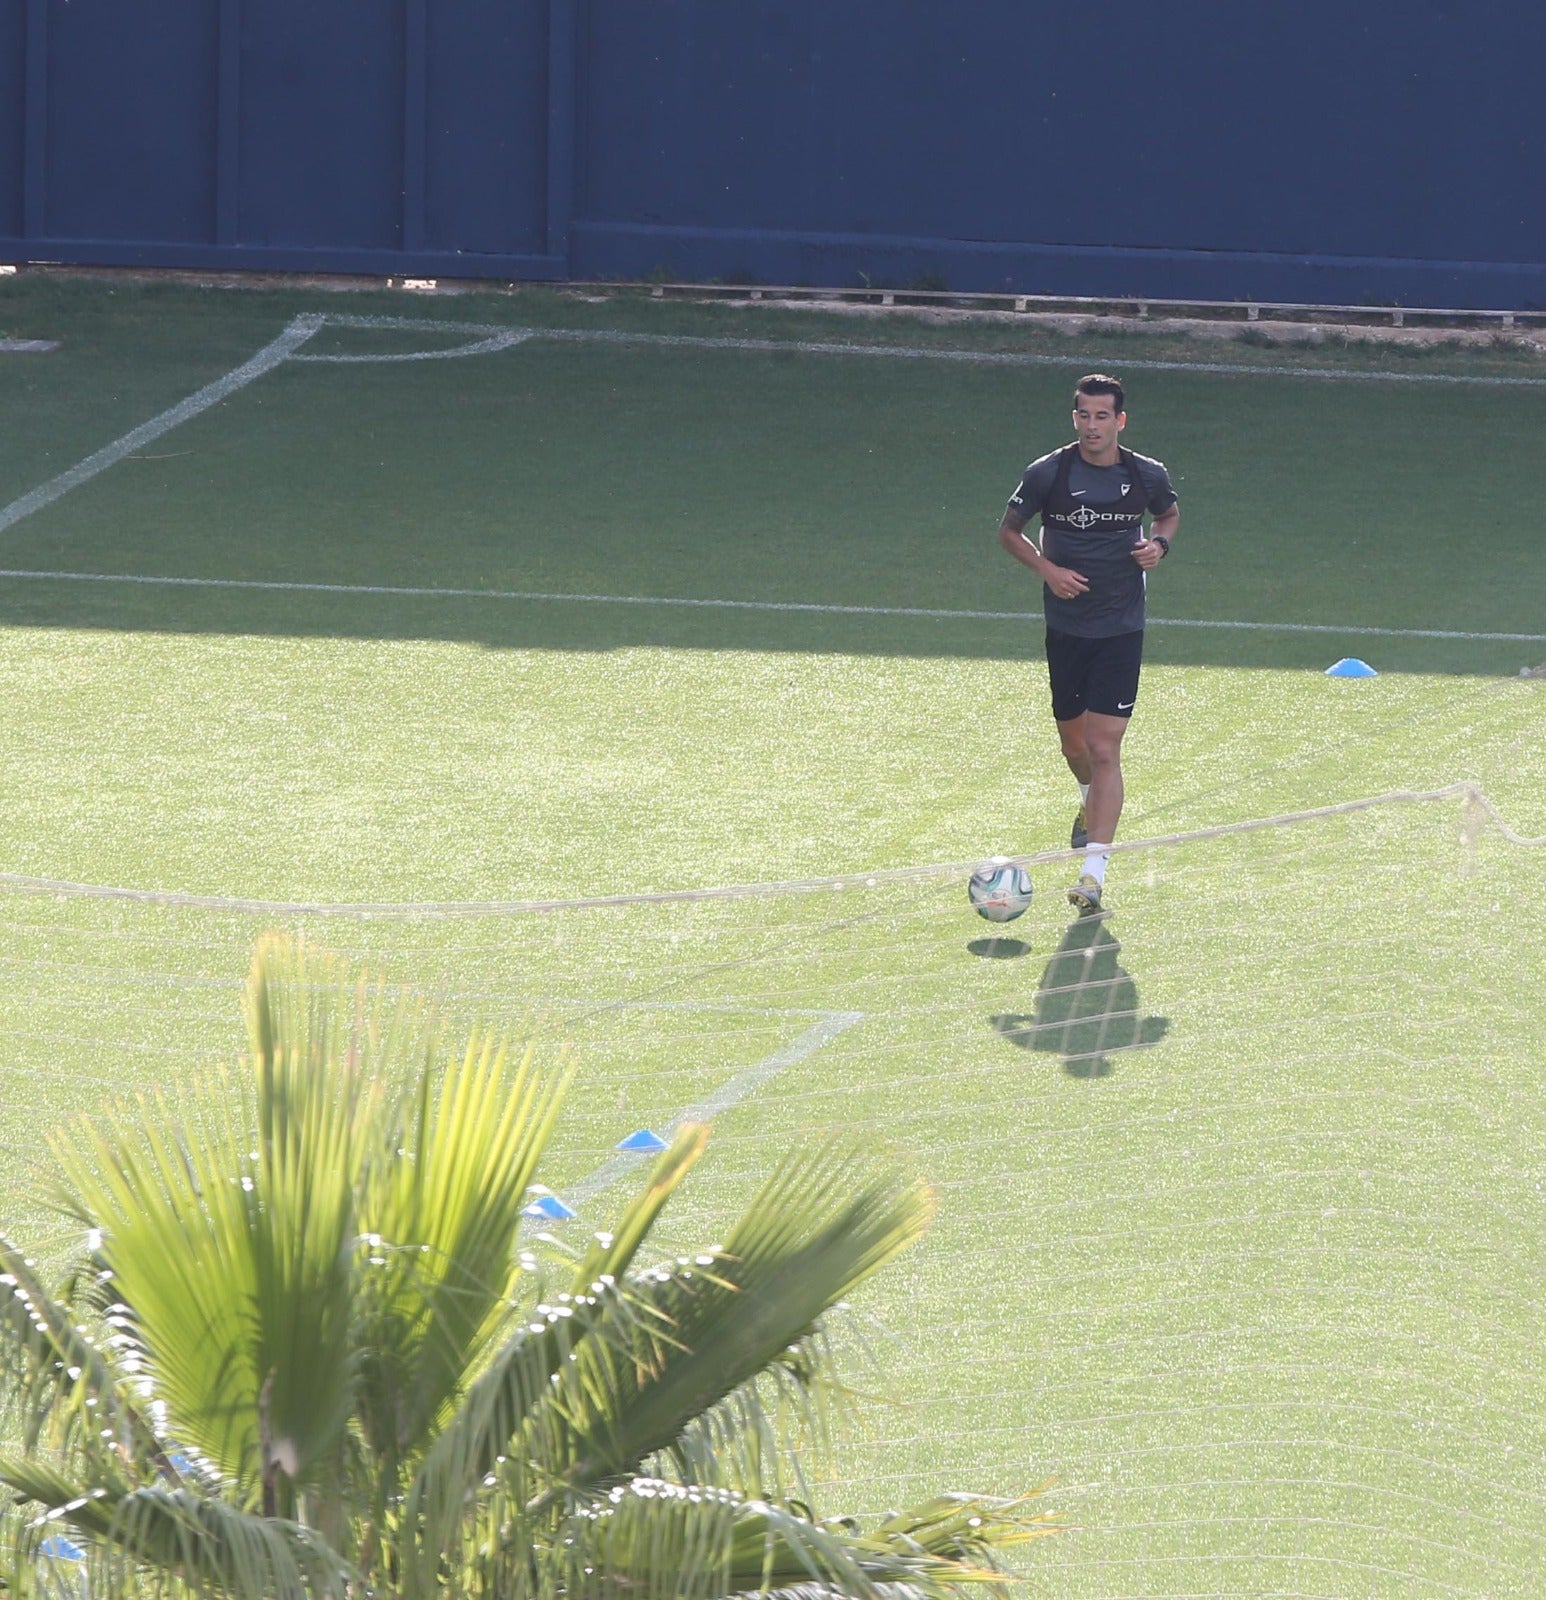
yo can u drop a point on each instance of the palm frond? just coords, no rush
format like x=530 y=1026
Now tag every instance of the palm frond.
x=235 y=1283
x=700 y=1329
x=471 y=1455
x=518 y=1382
x=321 y=1298
x=314 y=1097
x=766 y=1438
x=442 y=1221
x=660 y=1541
x=213 y=1548
x=231 y=1247
x=614 y=1375
x=612 y=1253
x=969 y=1528
x=58 y=1384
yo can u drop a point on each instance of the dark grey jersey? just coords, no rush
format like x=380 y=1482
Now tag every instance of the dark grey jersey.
x=1090 y=523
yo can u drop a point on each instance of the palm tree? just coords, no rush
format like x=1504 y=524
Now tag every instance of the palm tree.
x=305 y=1351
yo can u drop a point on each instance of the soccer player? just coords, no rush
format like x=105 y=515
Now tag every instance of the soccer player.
x=1094 y=560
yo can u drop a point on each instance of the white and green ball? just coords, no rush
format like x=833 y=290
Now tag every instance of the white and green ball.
x=1000 y=890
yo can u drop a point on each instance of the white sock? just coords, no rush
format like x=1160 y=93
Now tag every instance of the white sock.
x=1095 y=863
x=1084 y=793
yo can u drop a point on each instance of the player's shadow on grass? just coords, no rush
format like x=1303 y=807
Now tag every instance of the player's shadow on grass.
x=1087 y=1007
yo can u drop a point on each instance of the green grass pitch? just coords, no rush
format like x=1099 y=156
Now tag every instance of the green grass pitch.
x=1242 y=1199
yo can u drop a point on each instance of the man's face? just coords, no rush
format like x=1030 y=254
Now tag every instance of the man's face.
x=1097 y=422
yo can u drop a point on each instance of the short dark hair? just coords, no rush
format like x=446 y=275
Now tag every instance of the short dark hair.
x=1100 y=383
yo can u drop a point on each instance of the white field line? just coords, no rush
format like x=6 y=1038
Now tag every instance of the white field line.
x=17 y=347
x=269 y=357
x=498 y=340
x=1475 y=800
x=487 y=337
x=730 y=1094
x=535 y=596
x=490 y=337
x=1001 y=358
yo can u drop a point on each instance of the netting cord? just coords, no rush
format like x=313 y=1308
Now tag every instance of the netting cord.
x=1479 y=808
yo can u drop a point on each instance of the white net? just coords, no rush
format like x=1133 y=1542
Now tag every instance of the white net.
x=1243 y=1207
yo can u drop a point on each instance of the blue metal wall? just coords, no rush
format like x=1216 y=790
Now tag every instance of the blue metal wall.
x=1347 y=151
x=375 y=136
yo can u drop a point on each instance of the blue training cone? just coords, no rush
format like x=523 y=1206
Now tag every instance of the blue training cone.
x=643 y=1140
x=550 y=1207
x=1351 y=667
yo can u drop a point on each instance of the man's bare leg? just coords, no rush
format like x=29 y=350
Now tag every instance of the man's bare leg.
x=1097 y=742
x=1076 y=752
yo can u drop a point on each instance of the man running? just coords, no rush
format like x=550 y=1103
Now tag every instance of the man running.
x=1094 y=561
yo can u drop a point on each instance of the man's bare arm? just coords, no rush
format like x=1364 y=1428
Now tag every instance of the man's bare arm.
x=1062 y=581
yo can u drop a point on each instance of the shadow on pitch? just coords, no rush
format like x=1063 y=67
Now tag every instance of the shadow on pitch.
x=1087 y=1008
x=343 y=610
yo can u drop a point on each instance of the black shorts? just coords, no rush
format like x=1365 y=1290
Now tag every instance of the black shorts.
x=1099 y=675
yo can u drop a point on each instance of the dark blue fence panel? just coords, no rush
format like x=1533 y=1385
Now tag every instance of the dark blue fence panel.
x=487 y=126
x=322 y=97
x=1382 y=152
x=13 y=124
x=799 y=118
x=378 y=136
x=130 y=119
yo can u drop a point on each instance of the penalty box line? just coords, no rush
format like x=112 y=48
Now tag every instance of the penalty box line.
x=287 y=347
x=299 y=330
x=999 y=358
x=485 y=338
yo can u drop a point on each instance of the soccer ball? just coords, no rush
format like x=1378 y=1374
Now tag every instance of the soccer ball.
x=1000 y=890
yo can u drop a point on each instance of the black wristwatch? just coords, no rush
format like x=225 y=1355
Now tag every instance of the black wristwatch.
x=1162 y=542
